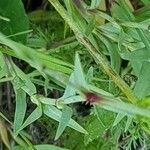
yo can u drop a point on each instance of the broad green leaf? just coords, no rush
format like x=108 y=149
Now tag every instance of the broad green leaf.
x=56 y=114
x=65 y=118
x=18 y=20
x=36 y=114
x=143 y=84
x=48 y=147
x=20 y=109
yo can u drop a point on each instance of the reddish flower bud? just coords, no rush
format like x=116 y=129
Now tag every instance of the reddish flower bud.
x=92 y=98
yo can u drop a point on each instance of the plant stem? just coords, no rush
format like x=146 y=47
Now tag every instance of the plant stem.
x=97 y=55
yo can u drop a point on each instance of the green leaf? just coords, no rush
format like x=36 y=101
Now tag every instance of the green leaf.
x=36 y=59
x=137 y=58
x=56 y=114
x=95 y=4
x=19 y=148
x=138 y=25
x=70 y=90
x=36 y=114
x=4 y=133
x=23 y=81
x=113 y=52
x=146 y=2
x=76 y=12
x=6 y=79
x=20 y=109
x=3 y=67
x=119 y=117
x=89 y=75
x=118 y=106
x=48 y=147
x=78 y=73
x=65 y=118
x=15 y=12
x=97 y=124
x=44 y=100
x=122 y=11
x=95 y=129
x=73 y=99
x=59 y=78
x=143 y=84
x=91 y=26
x=128 y=123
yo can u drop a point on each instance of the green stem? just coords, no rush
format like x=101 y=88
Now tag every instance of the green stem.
x=98 y=56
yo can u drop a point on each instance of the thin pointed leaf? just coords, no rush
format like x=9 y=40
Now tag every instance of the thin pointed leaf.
x=122 y=107
x=25 y=81
x=119 y=117
x=70 y=91
x=65 y=118
x=20 y=109
x=48 y=147
x=36 y=114
x=56 y=114
x=128 y=123
x=19 y=148
x=89 y=75
x=73 y=99
x=3 y=68
x=78 y=73
x=4 y=134
x=143 y=84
